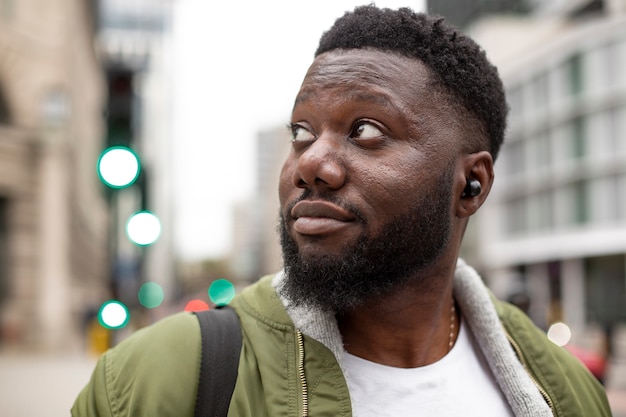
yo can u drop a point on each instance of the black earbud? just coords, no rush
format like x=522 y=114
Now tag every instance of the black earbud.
x=472 y=189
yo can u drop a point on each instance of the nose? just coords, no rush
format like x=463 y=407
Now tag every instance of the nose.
x=320 y=165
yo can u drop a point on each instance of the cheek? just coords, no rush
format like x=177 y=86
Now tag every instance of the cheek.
x=285 y=183
x=393 y=183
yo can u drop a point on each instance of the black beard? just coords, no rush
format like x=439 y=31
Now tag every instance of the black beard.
x=373 y=266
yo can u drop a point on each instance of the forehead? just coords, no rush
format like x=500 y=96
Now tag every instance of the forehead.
x=359 y=71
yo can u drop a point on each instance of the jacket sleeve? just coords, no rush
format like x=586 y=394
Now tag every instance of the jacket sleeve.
x=92 y=400
x=152 y=373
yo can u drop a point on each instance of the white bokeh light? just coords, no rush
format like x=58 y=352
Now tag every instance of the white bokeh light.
x=143 y=228
x=118 y=167
x=559 y=333
x=114 y=314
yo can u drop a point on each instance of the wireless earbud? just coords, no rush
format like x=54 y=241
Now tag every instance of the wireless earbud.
x=472 y=189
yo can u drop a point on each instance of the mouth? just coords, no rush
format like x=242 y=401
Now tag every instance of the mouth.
x=317 y=217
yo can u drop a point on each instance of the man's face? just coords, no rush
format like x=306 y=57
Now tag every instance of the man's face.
x=366 y=191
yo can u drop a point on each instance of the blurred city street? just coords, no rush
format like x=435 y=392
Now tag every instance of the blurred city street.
x=43 y=385
x=47 y=385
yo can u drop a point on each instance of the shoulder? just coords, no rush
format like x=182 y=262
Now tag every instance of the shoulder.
x=260 y=304
x=152 y=372
x=163 y=343
x=568 y=383
x=532 y=341
x=170 y=333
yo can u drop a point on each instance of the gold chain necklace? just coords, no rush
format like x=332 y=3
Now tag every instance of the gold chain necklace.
x=452 y=326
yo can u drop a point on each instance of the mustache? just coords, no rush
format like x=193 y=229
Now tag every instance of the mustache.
x=309 y=194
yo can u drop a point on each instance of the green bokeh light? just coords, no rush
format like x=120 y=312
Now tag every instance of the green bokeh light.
x=113 y=314
x=150 y=295
x=221 y=292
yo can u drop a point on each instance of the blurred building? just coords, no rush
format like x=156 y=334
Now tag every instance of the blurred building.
x=134 y=37
x=53 y=219
x=554 y=226
x=256 y=248
x=465 y=12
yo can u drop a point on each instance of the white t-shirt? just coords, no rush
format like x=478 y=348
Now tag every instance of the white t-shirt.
x=459 y=384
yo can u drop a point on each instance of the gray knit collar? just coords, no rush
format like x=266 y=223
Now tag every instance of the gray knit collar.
x=479 y=314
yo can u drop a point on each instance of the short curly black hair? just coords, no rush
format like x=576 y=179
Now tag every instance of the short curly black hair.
x=458 y=64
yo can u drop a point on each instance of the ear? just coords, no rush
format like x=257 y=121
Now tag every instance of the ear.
x=475 y=167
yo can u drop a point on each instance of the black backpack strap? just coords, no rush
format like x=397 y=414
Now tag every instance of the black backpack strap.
x=221 y=346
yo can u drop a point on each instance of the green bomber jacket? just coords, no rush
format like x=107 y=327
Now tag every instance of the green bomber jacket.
x=289 y=369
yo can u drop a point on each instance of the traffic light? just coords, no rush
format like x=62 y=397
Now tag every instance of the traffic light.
x=113 y=315
x=143 y=228
x=120 y=114
x=118 y=167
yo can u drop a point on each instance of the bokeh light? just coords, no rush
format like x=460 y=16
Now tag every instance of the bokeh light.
x=118 y=167
x=150 y=295
x=143 y=228
x=113 y=315
x=196 y=305
x=559 y=333
x=221 y=292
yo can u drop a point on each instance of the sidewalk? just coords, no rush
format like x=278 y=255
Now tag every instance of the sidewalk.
x=41 y=385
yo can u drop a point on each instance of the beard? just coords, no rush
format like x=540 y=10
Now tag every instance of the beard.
x=373 y=266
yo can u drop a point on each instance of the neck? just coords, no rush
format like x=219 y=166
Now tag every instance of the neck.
x=406 y=329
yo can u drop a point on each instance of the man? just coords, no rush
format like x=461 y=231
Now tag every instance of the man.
x=395 y=130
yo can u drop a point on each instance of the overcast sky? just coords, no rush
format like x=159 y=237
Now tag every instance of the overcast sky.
x=237 y=68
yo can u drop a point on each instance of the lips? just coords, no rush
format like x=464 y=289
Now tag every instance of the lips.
x=315 y=217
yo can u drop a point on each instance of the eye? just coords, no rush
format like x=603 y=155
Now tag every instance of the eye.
x=365 y=131
x=301 y=134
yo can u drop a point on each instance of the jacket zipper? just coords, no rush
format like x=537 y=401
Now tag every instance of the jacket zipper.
x=303 y=386
x=518 y=352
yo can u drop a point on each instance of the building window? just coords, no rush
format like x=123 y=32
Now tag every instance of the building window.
x=541 y=207
x=614 y=131
x=542 y=152
x=516 y=221
x=619 y=126
x=603 y=199
x=580 y=203
x=578 y=134
x=620 y=195
x=611 y=64
x=575 y=74
x=616 y=190
x=560 y=138
x=516 y=158
x=540 y=92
